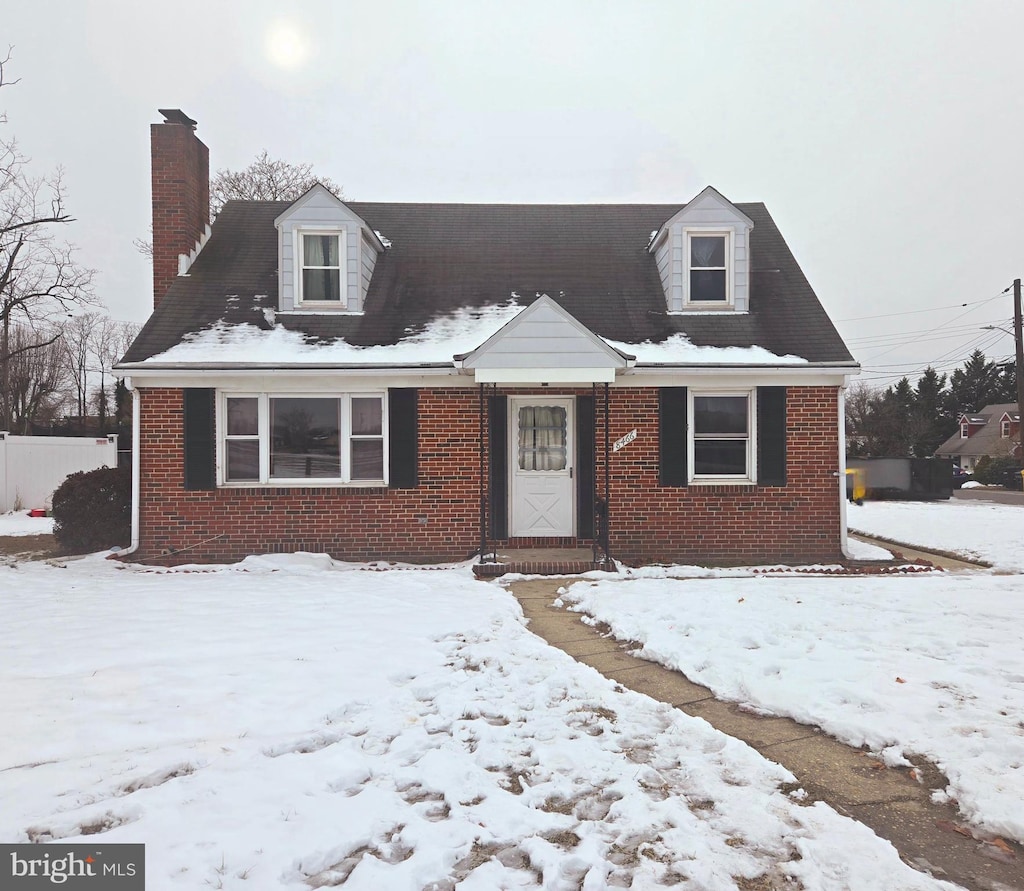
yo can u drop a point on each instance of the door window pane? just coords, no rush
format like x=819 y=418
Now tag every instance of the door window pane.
x=305 y=438
x=542 y=437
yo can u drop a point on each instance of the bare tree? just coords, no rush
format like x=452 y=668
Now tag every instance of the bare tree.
x=36 y=377
x=265 y=179
x=76 y=338
x=108 y=341
x=39 y=277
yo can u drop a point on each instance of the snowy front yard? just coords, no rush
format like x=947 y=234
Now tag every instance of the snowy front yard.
x=926 y=664
x=292 y=723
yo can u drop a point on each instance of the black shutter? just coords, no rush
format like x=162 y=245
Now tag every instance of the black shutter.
x=586 y=460
x=771 y=436
x=403 y=450
x=497 y=494
x=672 y=436
x=200 y=440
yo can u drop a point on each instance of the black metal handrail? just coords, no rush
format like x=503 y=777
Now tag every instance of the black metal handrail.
x=600 y=546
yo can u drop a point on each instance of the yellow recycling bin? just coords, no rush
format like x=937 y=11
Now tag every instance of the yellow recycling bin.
x=855 y=486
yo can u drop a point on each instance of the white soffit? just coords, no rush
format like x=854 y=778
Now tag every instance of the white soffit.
x=544 y=375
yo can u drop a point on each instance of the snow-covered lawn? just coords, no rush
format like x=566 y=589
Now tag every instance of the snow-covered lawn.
x=926 y=664
x=20 y=523
x=289 y=722
x=977 y=529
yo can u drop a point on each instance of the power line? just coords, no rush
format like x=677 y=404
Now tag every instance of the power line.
x=911 y=312
x=938 y=327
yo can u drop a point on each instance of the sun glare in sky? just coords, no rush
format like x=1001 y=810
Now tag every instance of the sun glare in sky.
x=286 y=45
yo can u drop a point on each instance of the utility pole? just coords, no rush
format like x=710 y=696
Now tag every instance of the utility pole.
x=1019 y=340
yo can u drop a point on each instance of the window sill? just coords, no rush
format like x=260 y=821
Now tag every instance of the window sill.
x=710 y=482
x=706 y=308
x=303 y=484
x=319 y=309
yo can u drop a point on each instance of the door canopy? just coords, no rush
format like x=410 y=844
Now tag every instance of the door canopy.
x=544 y=344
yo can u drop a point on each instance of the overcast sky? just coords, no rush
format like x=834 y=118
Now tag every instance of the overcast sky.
x=884 y=137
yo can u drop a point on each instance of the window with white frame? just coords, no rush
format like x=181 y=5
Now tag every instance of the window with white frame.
x=707 y=268
x=322 y=267
x=1004 y=429
x=271 y=438
x=965 y=430
x=721 y=439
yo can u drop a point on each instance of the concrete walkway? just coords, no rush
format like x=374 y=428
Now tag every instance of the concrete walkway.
x=894 y=804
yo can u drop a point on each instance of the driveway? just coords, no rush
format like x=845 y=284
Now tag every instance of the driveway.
x=997 y=496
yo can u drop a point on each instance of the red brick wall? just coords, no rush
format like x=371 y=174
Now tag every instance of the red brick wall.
x=436 y=521
x=725 y=524
x=439 y=520
x=181 y=198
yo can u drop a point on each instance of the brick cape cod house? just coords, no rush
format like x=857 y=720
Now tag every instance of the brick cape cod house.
x=426 y=382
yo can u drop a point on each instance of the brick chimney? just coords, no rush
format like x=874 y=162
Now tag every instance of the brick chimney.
x=181 y=194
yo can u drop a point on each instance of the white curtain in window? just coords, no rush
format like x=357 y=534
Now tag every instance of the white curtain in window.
x=321 y=250
x=542 y=437
x=707 y=251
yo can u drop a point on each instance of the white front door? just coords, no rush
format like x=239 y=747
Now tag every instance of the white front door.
x=541 y=453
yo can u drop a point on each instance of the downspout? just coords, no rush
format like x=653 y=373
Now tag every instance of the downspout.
x=483 y=496
x=843 y=538
x=136 y=470
x=607 y=496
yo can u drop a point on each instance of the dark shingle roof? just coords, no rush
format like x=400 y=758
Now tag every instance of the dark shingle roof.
x=989 y=439
x=591 y=259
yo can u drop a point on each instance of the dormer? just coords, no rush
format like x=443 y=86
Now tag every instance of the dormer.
x=326 y=255
x=971 y=424
x=1009 y=424
x=703 y=256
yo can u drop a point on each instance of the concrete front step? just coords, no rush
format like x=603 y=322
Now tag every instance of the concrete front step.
x=541 y=561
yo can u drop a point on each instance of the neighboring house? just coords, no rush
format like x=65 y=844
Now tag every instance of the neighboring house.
x=429 y=381
x=993 y=432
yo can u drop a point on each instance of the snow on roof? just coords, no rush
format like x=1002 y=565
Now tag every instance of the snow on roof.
x=445 y=337
x=680 y=350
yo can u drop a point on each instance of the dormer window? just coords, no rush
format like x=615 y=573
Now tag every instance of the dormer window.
x=703 y=256
x=965 y=430
x=708 y=272
x=1004 y=429
x=321 y=261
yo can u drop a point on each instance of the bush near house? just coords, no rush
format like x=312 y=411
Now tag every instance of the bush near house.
x=996 y=471
x=92 y=510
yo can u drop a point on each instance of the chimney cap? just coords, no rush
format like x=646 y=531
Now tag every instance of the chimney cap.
x=177 y=116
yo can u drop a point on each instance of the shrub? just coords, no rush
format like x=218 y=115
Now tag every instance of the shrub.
x=92 y=510
x=992 y=471
x=982 y=470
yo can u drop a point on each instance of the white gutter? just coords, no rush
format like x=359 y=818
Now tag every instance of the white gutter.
x=446 y=370
x=193 y=370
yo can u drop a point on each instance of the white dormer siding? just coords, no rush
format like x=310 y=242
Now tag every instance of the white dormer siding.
x=544 y=344
x=319 y=212
x=709 y=215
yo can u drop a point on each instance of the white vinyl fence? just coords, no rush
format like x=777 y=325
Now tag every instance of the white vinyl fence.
x=32 y=467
